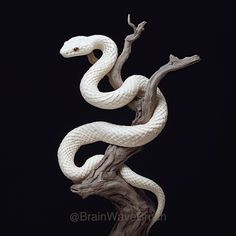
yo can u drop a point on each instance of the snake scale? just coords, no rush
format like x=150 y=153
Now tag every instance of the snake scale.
x=126 y=136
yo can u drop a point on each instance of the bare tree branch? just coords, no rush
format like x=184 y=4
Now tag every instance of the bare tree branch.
x=105 y=179
x=149 y=101
x=114 y=75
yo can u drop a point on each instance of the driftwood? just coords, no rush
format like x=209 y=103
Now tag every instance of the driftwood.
x=105 y=179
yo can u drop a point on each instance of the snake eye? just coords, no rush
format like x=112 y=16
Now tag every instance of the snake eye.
x=76 y=49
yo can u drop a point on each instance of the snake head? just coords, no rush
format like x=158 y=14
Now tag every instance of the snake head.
x=77 y=46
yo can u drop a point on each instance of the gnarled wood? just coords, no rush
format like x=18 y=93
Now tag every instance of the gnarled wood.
x=133 y=206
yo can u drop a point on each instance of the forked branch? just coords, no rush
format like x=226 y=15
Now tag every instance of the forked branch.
x=115 y=77
x=105 y=179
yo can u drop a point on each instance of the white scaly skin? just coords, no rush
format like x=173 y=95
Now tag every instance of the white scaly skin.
x=126 y=136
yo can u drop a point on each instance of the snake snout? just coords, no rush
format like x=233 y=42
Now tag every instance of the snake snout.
x=64 y=53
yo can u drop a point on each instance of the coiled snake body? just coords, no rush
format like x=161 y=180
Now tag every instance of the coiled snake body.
x=126 y=136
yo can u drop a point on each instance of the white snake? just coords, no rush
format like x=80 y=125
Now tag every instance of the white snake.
x=126 y=136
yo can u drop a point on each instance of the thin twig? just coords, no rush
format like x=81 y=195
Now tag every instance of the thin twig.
x=130 y=23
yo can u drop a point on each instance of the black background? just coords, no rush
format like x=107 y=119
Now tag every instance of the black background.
x=188 y=159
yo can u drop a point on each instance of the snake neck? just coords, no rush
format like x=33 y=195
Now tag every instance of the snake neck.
x=97 y=71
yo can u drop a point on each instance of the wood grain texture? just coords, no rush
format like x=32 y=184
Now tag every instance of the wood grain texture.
x=134 y=208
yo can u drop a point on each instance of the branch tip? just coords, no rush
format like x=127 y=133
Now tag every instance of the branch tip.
x=130 y=23
x=183 y=62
